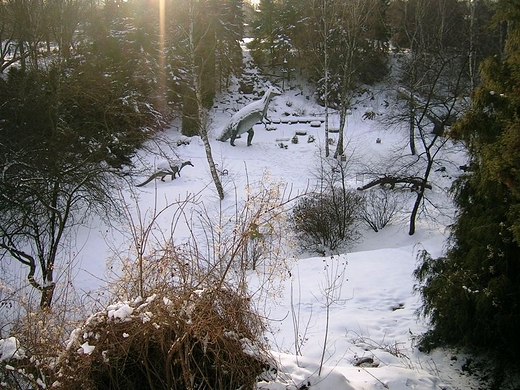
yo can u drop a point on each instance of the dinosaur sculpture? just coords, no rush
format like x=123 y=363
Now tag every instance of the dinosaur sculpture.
x=173 y=169
x=244 y=119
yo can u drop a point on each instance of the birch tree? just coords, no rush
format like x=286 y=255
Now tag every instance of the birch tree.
x=196 y=83
x=354 y=19
x=346 y=31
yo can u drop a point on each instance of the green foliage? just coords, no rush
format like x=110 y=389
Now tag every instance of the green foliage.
x=472 y=295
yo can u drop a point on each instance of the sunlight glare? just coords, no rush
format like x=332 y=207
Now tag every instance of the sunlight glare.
x=162 y=54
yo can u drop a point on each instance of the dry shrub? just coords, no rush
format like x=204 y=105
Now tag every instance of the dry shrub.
x=202 y=339
x=379 y=208
x=199 y=331
x=39 y=334
x=221 y=245
x=326 y=220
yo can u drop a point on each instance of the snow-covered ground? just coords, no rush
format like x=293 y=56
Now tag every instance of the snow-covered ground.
x=372 y=326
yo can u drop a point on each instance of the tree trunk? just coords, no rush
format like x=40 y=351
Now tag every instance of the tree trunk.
x=326 y=68
x=415 y=210
x=423 y=186
x=46 y=289
x=211 y=162
x=413 y=148
x=47 y=295
x=342 y=121
x=202 y=128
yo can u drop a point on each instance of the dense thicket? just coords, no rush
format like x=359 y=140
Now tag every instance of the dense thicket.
x=82 y=87
x=472 y=295
x=347 y=38
x=68 y=125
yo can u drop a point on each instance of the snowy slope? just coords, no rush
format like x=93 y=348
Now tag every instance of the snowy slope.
x=372 y=315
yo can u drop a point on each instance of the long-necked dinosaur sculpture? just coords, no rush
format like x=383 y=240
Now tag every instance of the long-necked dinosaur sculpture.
x=245 y=118
x=162 y=171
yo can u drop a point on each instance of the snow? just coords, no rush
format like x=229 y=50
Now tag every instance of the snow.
x=121 y=311
x=371 y=313
x=10 y=349
x=163 y=165
x=250 y=114
x=86 y=348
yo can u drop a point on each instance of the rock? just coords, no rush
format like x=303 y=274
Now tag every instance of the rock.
x=364 y=362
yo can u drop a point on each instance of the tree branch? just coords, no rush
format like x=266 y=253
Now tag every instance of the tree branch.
x=414 y=181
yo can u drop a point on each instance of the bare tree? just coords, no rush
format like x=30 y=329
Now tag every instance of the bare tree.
x=65 y=17
x=9 y=51
x=40 y=207
x=432 y=32
x=194 y=42
x=345 y=32
x=34 y=22
x=432 y=77
x=353 y=18
x=62 y=143
x=29 y=20
x=435 y=110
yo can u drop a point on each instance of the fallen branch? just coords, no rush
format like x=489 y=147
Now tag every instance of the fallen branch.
x=414 y=182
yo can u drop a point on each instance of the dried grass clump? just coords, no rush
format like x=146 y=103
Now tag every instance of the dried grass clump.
x=33 y=341
x=203 y=339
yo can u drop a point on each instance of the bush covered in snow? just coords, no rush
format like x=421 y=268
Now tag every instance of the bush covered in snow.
x=11 y=354
x=204 y=339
